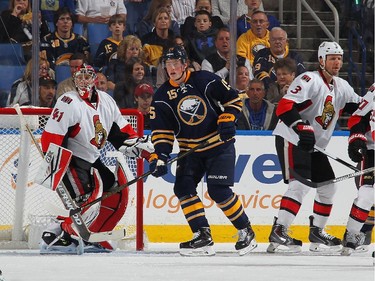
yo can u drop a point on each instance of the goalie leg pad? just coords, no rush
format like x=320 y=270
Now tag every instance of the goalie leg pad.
x=113 y=208
x=90 y=213
x=111 y=211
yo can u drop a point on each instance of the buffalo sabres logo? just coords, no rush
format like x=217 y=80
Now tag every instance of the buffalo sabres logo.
x=192 y=110
x=100 y=133
x=327 y=115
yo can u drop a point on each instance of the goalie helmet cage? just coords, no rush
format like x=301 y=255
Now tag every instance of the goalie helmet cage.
x=22 y=202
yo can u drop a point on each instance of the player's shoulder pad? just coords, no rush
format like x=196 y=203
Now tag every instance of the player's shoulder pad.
x=69 y=98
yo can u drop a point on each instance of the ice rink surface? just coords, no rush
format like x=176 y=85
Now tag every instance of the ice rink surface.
x=162 y=262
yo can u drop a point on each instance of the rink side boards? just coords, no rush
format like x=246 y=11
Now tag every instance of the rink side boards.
x=259 y=185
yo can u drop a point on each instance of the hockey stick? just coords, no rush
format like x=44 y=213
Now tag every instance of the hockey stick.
x=212 y=140
x=79 y=224
x=319 y=184
x=323 y=151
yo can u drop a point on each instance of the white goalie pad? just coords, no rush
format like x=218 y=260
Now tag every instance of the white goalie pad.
x=53 y=166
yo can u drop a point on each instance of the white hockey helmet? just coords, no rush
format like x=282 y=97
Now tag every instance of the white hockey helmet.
x=329 y=48
x=85 y=80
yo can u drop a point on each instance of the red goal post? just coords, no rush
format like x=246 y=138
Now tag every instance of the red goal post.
x=22 y=202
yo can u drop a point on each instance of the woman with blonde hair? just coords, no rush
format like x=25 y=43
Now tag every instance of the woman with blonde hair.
x=147 y=24
x=160 y=39
x=21 y=89
x=130 y=47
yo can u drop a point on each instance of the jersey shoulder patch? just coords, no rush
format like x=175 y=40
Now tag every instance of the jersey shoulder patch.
x=306 y=78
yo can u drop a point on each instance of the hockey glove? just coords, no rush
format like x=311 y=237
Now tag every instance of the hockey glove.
x=158 y=165
x=306 y=136
x=138 y=147
x=226 y=126
x=357 y=147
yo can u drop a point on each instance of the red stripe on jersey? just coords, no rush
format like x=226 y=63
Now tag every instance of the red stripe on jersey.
x=322 y=209
x=128 y=129
x=290 y=205
x=284 y=105
x=358 y=214
x=48 y=138
x=353 y=120
x=75 y=131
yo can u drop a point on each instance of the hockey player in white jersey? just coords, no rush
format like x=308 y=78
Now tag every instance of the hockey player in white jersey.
x=308 y=114
x=83 y=121
x=361 y=150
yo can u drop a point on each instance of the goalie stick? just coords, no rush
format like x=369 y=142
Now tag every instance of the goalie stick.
x=319 y=184
x=323 y=151
x=211 y=140
x=79 y=225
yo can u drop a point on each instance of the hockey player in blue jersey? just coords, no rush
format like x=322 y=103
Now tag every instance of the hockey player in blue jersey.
x=192 y=107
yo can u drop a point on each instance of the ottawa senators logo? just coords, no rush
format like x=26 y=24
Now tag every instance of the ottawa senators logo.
x=192 y=110
x=100 y=133
x=327 y=115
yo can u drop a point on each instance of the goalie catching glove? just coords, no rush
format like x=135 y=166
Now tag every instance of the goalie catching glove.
x=226 y=126
x=158 y=165
x=138 y=147
x=306 y=135
x=357 y=147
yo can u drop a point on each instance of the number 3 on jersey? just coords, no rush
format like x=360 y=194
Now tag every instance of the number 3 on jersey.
x=296 y=90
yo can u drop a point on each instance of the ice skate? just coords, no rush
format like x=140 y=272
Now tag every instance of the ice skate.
x=200 y=245
x=60 y=244
x=365 y=246
x=280 y=241
x=95 y=248
x=322 y=241
x=351 y=242
x=246 y=241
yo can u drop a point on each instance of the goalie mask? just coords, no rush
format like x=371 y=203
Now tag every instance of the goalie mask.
x=85 y=79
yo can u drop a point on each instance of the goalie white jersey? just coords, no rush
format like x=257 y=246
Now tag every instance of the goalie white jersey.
x=86 y=125
x=319 y=103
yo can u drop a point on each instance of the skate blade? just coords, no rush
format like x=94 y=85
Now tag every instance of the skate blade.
x=361 y=249
x=316 y=247
x=59 y=250
x=346 y=251
x=204 y=251
x=253 y=244
x=279 y=248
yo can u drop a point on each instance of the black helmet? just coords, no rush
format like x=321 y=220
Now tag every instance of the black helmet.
x=176 y=52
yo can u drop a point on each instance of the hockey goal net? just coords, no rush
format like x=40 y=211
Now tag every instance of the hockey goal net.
x=24 y=212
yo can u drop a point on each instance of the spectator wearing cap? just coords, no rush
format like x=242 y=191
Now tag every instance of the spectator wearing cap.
x=47 y=91
x=143 y=94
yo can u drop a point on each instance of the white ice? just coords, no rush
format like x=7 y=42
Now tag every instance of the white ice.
x=162 y=262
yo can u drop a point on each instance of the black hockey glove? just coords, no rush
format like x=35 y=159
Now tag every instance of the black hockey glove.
x=357 y=147
x=306 y=136
x=158 y=165
x=226 y=126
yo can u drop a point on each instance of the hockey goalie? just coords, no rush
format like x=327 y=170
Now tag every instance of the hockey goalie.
x=82 y=121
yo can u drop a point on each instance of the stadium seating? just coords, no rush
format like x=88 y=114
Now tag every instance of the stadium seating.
x=97 y=32
x=9 y=74
x=4 y=5
x=62 y=72
x=11 y=54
